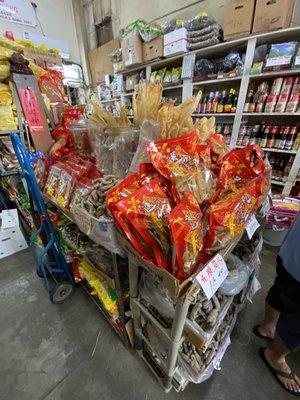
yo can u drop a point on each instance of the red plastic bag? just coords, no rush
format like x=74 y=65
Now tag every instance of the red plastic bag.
x=51 y=84
x=239 y=167
x=147 y=210
x=187 y=231
x=178 y=160
x=228 y=216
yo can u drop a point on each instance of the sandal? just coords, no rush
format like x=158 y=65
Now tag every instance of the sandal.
x=258 y=334
x=276 y=372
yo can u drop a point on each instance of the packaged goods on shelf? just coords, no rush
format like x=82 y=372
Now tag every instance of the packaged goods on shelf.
x=105 y=294
x=280 y=55
x=232 y=64
x=281 y=165
x=8 y=160
x=281 y=96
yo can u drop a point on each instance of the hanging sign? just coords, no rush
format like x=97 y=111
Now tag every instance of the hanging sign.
x=252 y=226
x=32 y=110
x=17 y=11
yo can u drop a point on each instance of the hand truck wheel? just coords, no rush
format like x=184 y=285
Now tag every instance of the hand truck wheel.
x=61 y=292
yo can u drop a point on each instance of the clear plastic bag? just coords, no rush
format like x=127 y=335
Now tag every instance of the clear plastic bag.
x=199 y=22
x=209 y=42
x=205 y=31
x=238 y=276
x=157 y=295
x=102 y=143
x=124 y=148
x=204 y=67
x=150 y=130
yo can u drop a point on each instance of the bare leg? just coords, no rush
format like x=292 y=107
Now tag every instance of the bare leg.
x=275 y=355
x=269 y=322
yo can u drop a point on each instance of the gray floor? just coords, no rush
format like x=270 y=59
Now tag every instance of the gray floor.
x=46 y=350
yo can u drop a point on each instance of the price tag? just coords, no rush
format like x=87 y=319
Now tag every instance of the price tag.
x=212 y=276
x=251 y=226
x=188 y=66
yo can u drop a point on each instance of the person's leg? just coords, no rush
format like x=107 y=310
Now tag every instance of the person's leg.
x=275 y=355
x=268 y=325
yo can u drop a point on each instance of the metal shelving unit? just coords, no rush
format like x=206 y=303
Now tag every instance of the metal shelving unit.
x=247 y=44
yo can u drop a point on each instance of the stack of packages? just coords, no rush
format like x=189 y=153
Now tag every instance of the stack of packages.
x=283 y=210
x=203 y=31
x=188 y=197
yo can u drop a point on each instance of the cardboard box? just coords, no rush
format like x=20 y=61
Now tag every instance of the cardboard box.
x=11 y=236
x=272 y=15
x=153 y=49
x=238 y=18
x=132 y=50
x=175 y=42
x=100 y=63
x=42 y=59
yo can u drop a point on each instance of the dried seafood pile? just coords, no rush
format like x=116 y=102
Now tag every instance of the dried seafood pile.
x=245 y=247
x=146 y=101
x=198 y=360
x=75 y=239
x=94 y=201
x=205 y=312
x=106 y=118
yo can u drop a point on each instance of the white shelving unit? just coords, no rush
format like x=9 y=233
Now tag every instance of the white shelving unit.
x=248 y=45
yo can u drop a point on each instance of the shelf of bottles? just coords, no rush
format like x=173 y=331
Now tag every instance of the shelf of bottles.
x=218 y=103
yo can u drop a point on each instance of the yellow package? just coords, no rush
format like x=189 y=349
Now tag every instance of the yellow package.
x=5 y=95
x=100 y=288
x=5 y=53
x=42 y=47
x=38 y=71
x=4 y=71
x=10 y=44
x=25 y=43
x=7 y=120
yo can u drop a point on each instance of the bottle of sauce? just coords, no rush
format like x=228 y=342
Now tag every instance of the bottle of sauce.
x=229 y=102
x=215 y=103
x=296 y=142
x=278 y=137
x=222 y=102
x=204 y=105
x=290 y=138
x=234 y=103
x=249 y=101
x=271 y=137
x=264 y=137
x=260 y=132
x=284 y=136
x=209 y=103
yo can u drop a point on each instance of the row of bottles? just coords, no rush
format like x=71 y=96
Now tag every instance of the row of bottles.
x=270 y=136
x=218 y=102
x=281 y=165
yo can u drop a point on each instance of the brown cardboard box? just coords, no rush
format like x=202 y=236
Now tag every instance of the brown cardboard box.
x=238 y=18
x=153 y=49
x=42 y=59
x=100 y=63
x=132 y=50
x=272 y=15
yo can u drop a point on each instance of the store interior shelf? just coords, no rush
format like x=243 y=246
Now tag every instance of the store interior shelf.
x=217 y=80
x=214 y=115
x=273 y=150
x=172 y=87
x=127 y=94
x=111 y=100
x=273 y=114
x=279 y=183
x=274 y=74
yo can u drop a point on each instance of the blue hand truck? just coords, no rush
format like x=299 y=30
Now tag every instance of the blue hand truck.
x=52 y=266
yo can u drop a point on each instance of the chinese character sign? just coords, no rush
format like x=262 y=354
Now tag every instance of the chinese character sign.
x=212 y=276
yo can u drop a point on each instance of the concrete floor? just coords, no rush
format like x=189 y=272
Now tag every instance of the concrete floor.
x=46 y=350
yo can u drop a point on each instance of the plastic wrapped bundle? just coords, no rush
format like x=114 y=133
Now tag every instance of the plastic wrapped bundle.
x=102 y=142
x=237 y=278
x=124 y=147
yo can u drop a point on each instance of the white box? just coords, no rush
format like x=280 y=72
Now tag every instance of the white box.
x=11 y=236
x=175 y=42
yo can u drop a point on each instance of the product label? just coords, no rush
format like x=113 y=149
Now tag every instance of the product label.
x=252 y=226
x=212 y=276
x=283 y=60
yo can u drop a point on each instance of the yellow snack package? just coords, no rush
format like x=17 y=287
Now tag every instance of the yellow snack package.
x=4 y=71
x=10 y=44
x=5 y=95
x=7 y=120
x=5 y=53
